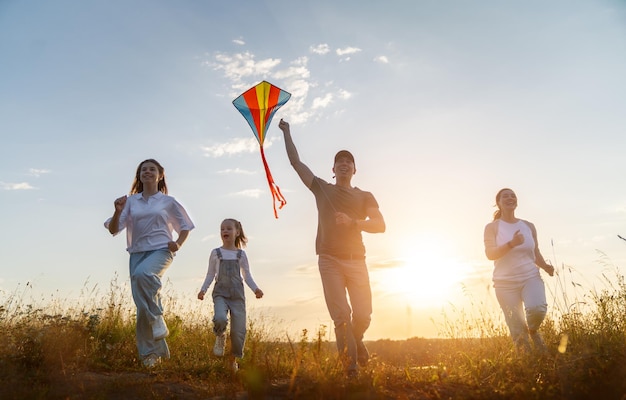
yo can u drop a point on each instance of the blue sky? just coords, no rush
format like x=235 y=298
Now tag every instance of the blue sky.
x=442 y=103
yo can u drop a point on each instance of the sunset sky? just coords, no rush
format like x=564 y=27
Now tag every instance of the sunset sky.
x=442 y=104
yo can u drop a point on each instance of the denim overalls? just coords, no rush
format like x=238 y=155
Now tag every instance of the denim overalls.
x=228 y=295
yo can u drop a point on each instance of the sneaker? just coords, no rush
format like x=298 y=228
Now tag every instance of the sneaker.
x=220 y=343
x=362 y=355
x=159 y=329
x=151 y=361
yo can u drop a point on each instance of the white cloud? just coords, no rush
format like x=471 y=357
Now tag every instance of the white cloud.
x=38 y=172
x=255 y=193
x=306 y=101
x=301 y=117
x=239 y=42
x=237 y=171
x=347 y=50
x=320 y=49
x=344 y=94
x=296 y=71
x=16 y=186
x=299 y=86
x=322 y=102
x=208 y=237
x=240 y=65
x=235 y=146
x=305 y=269
x=382 y=59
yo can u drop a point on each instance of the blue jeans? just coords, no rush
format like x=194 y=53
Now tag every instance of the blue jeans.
x=340 y=279
x=237 y=308
x=146 y=270
x=524 y=306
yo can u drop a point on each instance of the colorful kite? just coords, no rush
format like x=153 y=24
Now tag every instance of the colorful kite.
x=258 y=105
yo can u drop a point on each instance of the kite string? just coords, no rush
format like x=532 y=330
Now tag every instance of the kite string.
x=277 y=196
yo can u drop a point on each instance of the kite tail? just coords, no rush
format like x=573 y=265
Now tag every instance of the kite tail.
x=277 y=196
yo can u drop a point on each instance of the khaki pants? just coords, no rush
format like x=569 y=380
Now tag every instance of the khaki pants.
x=340 y=279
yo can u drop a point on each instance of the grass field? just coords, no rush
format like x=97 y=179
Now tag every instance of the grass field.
x=87 y=351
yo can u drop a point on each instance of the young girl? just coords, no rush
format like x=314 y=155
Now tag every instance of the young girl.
x=227 y=265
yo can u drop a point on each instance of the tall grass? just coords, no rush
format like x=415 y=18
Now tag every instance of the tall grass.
x=85 y=348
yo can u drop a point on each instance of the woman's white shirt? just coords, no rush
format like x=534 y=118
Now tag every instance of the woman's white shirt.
x=150 y=222
x=518 y=264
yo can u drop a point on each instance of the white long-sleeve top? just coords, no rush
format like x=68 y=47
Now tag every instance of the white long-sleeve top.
x=214 y=263
x=150 y=222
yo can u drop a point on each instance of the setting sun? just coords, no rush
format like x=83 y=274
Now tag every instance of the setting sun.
x=428 y=276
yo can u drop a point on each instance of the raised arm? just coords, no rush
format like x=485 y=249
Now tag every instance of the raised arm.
x=305 y=174
x=113 y=224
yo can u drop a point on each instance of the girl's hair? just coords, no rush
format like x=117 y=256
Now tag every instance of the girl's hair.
x=240 y=240
x=137 y=186
x=498 y=213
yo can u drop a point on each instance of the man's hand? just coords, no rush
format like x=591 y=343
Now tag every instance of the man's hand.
x=343 y=219
x=284 y=126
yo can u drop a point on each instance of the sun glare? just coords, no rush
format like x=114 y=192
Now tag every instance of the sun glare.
x=427 y=277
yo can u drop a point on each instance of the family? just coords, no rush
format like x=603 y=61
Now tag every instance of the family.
x=150 y=217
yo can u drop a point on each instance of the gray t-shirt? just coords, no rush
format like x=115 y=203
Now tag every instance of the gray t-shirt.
x=333 y=239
